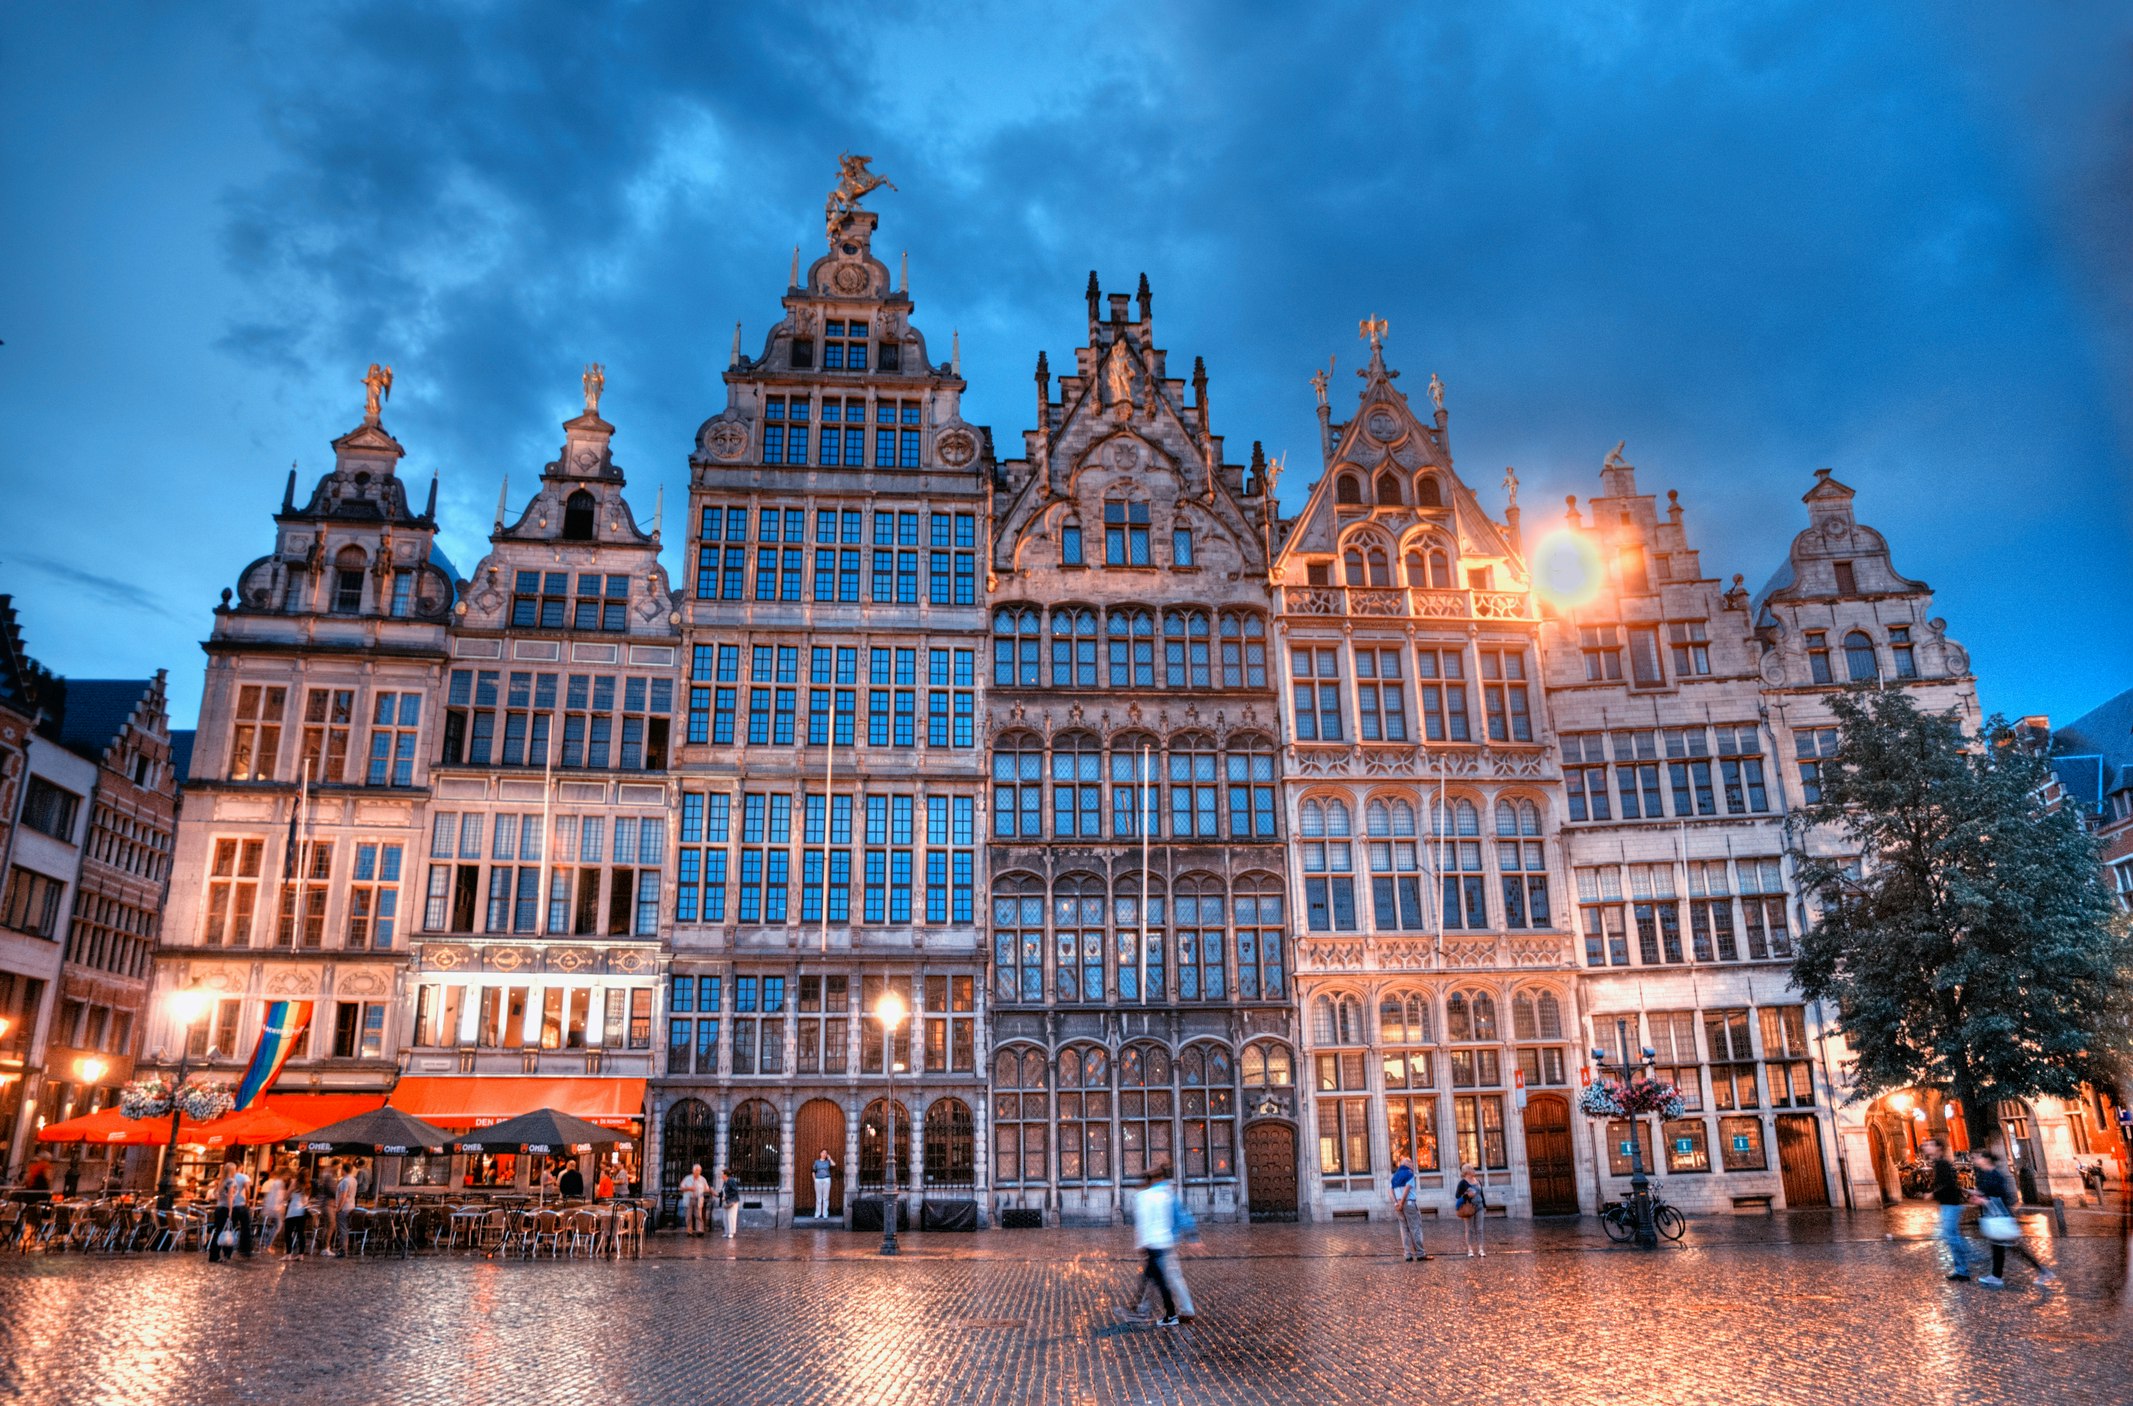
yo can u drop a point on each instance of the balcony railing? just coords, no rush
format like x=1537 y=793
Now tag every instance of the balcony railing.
x=1401 y=602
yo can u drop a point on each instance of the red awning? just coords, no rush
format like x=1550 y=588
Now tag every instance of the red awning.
x=277 y=1117
x=475 y=1101
x=317 y=1110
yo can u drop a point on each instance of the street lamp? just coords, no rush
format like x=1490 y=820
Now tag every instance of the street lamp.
x=890 y=1011
x=186 y=1006
x=89 y=1072
x=1640 y=1185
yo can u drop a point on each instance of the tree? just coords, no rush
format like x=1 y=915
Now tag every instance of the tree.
x=1966 y=942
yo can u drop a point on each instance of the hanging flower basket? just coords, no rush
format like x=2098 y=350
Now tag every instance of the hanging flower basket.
x=201 y=1100
x=205 y=1100
x=1638 y=1098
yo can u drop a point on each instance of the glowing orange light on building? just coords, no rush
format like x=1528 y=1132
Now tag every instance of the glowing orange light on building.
x=1566 y=570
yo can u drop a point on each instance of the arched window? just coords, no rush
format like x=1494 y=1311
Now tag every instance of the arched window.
x=1395 y=865
x=1145 y=1107
x=1268 y=1065
x=1366 y=565
x=1859 y=657
x=578 y=517
x=752 y=1145
x=1250 y=762
x=1404 y=1037
x=1078 y=937
x=348 y=580
x=1262 y=964
x=1018 y=937
x=1073 y=647
x=1243 y=650
x=1336 y=1020
x=1427 y=493
x=1127 y=918
x=1135 y=762
x=1192 y=787
x=1077 y=786
x=1187 y=650
x=1131 y=637
x=1018 y=786
x=1347 y=489
x=1429 y=569
x=872 y=1124
x=1458 y=861
x=1084 y=1114
x=1522 y=861
x=1538 y=1016
x=1388 y=490
x=951 y=1145
x=1207 y=1098
x=1477 y=1113
x=1021 y=1117
x=1070 y=541
x=1015 y=647
x=1203 y=939
x=1329 y=867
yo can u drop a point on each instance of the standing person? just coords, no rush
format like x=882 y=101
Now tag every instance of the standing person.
x=273 y=1206
x=1155 y=1218
x=323 y=1204
x=344 y=1204
x=1996 y=1193
x=729 y=1201
x=548 y=1184
x=232 y=1211
x=1472 y=1205
x=1406 y=1211
x=604 y=1188
x=571 y=1186
x=1948 y=1192
x=298 y=1218
x=824 y=1170
x=693 y=1191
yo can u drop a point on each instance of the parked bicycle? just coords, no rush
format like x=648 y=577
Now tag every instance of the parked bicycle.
x=1619 y=1220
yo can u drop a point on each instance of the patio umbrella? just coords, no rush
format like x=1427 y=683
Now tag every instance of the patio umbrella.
x=543 y=1130
x=386 y=1131
x=110 y=1127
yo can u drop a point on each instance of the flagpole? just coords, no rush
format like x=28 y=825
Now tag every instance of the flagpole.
x=1146 y=826
x=303 y=853
x=540 y=919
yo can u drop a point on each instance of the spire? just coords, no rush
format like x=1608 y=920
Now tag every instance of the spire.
x=1319 y=380
x=503 y=496
x=903 y=275
x=955 y=351
x=1147 y=302
x=429 y=509
x=288 y=495
x=1372 y=329
x=1199 y=390
x=659 y=511
x=1095 y=295
x=735 y=359
x=795 y=279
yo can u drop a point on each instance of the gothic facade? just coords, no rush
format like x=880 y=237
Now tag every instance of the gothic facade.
x=831 y=775
x=1141 y=951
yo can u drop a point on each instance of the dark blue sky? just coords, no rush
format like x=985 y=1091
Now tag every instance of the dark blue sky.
x=1751 y=240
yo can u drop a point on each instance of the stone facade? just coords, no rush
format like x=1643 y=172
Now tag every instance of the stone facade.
x=304 y=812
x=1435 y=966
x=1141 y=952
x=830 y=774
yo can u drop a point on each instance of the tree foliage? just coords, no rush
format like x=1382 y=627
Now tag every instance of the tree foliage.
x=1965 y=938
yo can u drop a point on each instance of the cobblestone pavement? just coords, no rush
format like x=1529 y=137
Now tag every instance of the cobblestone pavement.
x=1801 y=1309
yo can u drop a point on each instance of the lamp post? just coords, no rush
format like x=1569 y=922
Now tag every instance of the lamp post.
x=1640 y=1184
x=186 y=1007
x=890 y=1011
x=89 y=1072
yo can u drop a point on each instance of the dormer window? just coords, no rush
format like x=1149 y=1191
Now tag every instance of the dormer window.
x=1125 y=533
x=1859 y=661
x=1070 y=542
x=1428 y=495
x=844 y=346
x=1181 y=546
x=1847 y=579
x=1346 y=489
x=1635 y=579
x=403 y=592
x=1818 y=656
x=1906 y=656
x=578 y=517
x=888 y=357
x=348 y=581
x=595 y=610
x=803 y=353
x=537 y=600
x=1388 y=489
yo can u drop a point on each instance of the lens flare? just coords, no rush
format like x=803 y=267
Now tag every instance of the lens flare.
x=1566 y=570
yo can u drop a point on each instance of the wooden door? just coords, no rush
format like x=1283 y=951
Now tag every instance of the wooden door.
x=1550 y=1174
x=1799 y=1138
x=1270 y=1170
x=818 y=1125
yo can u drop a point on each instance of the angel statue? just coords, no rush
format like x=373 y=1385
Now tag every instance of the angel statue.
x=1118 y=370
x=1436 y=391
x=854 y=181
x=595 y=379
x=377 y=388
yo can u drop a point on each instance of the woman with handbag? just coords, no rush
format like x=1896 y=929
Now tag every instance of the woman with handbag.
x=1996 y=1194
x=1471 y=1204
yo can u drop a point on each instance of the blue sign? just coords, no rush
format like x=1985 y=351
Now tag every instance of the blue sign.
x=1684 y=1145
x=1740 y=1142
x=1628 y=1147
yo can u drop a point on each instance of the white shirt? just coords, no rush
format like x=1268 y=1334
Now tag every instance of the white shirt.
x=277 y=1195
x=344 y=1194
x=1155 y=1217
x=239 y=1184
x=693 y=1185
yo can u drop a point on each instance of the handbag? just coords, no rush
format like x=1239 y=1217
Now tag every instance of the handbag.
x=1998 y=1224
x=228 y=1238
x=1469 y=1207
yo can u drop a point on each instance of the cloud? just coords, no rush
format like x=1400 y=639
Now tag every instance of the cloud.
x=110 y=590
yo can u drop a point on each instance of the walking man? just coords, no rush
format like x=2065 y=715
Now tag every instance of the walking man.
x=824 y=1170
x=1155 y=1215
x=1950 y=1194
x=344 y=1204
x=1406 y=1211
x=693 y=1191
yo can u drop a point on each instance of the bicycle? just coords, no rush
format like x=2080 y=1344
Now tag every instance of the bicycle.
x=1619 y=1218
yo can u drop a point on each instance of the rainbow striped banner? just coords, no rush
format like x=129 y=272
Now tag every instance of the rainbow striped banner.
x=283 y=1030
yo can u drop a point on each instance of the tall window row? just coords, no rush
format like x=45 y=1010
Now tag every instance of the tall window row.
x=873 y=857
x=1454 y=876
x=1433 y=692
x=364 y=914
x=1080 y=647
x=601 y=878
x=1140 y=938
x=387 y=728
x=839 y=431
x=1184 y=788
x=1676 y=773
x=812 y=1023
x=790 y=695
x=1735 y=910
x=881 y=557
x=572 y=722
x=1089 y=1116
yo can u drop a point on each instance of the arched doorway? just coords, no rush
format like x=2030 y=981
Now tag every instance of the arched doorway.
x=950 y=1147
x=752 y=1145
x=688 y=1135
x=1550 y=1172
x=1270 y=1170
x=870 y=1150
x=819 y=1127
